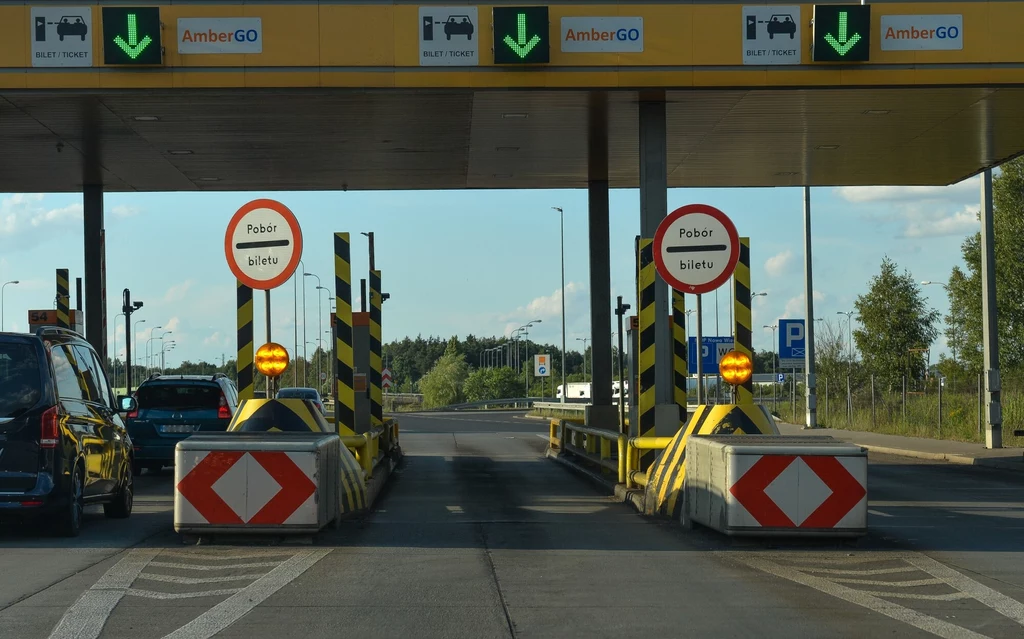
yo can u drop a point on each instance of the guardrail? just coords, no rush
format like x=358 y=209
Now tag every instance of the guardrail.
x=596 y=448
x=369 y=449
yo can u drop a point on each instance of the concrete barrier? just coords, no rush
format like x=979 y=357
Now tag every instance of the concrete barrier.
x=776 y=485
x=263 y=482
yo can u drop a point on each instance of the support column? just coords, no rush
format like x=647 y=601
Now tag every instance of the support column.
x=600 y=306
x=63 y=299
x=95 y=313
x=989 y=323
x=344 y=383
x=809 y=381
x=653 y=209
x=244 y=339
x=376 y=396
x=743 y=315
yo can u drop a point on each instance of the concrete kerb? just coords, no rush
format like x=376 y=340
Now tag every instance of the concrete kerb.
x=1002 y=463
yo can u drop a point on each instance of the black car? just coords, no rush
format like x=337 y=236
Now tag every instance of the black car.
x=458 y=25
x=72 y=26
x=781 y=24
x=63 y=444
x=172 y=407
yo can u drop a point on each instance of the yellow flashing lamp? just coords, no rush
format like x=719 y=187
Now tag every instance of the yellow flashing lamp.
x=272 y=359
x=736 y=368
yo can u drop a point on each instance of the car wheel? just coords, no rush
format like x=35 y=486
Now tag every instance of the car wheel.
x=70 y=521
x=448 y=35
x=154 y=469
x=61 y=38
x=792 y=35
x=469 y=36
x=136 y=468
x=771 y=36
x=121 y=506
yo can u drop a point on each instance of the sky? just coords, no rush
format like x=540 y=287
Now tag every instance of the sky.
x=465 y=262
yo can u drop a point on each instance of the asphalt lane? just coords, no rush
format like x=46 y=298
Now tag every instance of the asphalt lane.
x=477 y=535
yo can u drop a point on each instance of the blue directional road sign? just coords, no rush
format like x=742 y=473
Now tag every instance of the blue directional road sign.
x=782 y=377
x=792 y=343
x=714 y=349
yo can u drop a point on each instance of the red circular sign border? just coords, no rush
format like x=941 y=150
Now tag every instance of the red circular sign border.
x=293 y=224
x=734 y=253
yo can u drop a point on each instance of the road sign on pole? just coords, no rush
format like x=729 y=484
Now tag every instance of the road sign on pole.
x=542 y=366
x=385 y=378
x=263 y=244
x=792 y=343
x=714 y=348
x=696 y=248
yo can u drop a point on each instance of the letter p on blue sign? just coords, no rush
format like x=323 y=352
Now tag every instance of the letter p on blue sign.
x=792 y=339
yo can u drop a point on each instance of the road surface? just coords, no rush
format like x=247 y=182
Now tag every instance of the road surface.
x=479 y=536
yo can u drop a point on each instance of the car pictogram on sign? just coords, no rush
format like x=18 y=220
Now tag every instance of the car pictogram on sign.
x=458 y=25
x=781 y=24
x=72 y=26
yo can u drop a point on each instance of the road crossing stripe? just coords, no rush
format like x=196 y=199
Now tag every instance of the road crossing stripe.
x=345 y=382
x=244 y=361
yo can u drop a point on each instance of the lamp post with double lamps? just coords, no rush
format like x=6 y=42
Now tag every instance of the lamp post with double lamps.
x=15 y=282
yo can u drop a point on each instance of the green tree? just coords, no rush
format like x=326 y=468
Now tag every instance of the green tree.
x=893 y=320
x=963 y=323
x=492 y=383
x=443 y=384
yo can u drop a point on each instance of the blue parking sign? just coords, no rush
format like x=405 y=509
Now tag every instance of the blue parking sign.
x=714 y=349
x=792 y=343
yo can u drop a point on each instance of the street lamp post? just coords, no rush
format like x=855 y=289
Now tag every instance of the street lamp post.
x=114 y=340
x=164 y=347
x=148 y=342
x=775 y=358
x=561 y=219
x=305 y=375
x=135 y=341
x=320 y=329
x=15 y=282
x=849 y=329
x=952 y=342
x=584 y=340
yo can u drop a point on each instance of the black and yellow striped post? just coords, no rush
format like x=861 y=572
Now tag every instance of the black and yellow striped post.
x=679 y=363
x=376 y=393
x=63 y=298
x=246 y=352
x=645 y=359
x=345 y=394
x=743 y=317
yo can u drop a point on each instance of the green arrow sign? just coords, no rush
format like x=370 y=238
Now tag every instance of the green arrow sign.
x=131 y=35
x=521 y=47
x=134 y=46
x=842 y=44
x=842 y=33
x=521 y=35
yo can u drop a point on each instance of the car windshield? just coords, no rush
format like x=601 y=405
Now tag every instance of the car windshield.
x=179 y=396
x=20 y=386
x=298 y=393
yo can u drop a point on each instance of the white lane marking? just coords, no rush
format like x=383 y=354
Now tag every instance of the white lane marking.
x=544 y=437
x=879 y=513
x=866 y=573
x=227 y=556
x=86 y=618
x=866 y=600
x=152 y=594
x=899 y=584
x=995 y=600
x=259 y=564
x=233 y=608
x=953 y=596
x=174 y=579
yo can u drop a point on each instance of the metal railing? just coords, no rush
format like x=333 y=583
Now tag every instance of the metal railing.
x=596 y=448
x=372 y=447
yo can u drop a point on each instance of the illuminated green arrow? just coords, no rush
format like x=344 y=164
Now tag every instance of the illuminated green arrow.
x=134 y=46
x=842 y=45
x=522 y=48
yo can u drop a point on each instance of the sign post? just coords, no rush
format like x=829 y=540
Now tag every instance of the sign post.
x=696 y=248
x=792 y=343
x=263 y=246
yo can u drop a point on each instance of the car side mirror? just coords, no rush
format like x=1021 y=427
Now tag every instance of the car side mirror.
x=127 y=403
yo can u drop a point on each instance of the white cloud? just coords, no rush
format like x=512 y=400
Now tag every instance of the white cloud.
x=123 y=210
x=777 y=265
x=795 y=307
x=962 y=192
x=958 y=223
x=548 y=306
x=25 y=221
x=177 y=292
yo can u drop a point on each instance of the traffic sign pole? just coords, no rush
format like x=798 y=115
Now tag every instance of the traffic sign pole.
x=809 y=382
x=700 y=352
